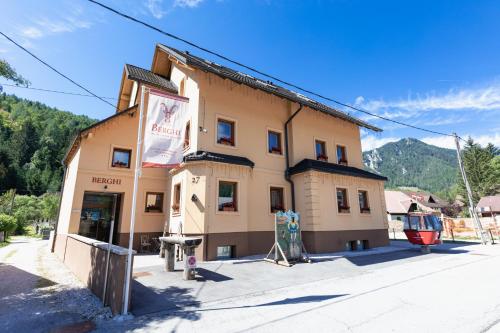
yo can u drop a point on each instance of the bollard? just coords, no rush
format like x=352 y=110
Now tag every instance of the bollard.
x=189 y=263
x=169 y=257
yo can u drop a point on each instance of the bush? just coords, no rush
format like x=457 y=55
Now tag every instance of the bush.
x=7 y=224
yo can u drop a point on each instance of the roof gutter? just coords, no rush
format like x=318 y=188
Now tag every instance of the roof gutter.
x=287 y=173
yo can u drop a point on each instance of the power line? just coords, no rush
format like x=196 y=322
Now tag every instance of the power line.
x=52 y=91
x=258 y=71
x=55 y=70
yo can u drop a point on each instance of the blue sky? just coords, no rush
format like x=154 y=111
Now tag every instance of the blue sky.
x=434 y=64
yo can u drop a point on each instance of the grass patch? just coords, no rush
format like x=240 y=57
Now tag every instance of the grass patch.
x=4 y=244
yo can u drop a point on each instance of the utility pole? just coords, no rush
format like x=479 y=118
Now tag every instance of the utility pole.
x=485 y=238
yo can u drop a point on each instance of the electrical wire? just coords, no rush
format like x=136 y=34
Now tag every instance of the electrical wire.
x=52 y=91
x=136 y=20
x=55 y=70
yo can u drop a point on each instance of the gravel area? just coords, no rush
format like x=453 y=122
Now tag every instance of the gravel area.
x=39 y=294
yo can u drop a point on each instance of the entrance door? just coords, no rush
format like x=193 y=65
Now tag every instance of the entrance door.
x=98 y=211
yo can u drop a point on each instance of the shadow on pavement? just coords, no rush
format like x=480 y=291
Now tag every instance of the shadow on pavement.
x=208 y=275
x=15 y=281
x=147 y=300
x=285 y=301
x=399 y=255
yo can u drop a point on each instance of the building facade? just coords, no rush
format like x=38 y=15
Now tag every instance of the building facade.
x=251 y=148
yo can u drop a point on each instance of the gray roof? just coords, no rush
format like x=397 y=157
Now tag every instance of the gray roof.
x=308 y=164
x=145 y=76
x=267 y=86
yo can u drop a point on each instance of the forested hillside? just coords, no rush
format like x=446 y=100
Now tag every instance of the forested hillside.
x=33 y=141
x=410 y=162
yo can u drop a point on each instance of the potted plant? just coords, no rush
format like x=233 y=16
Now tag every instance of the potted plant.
x=275 y=150
x=225 y=141
x=175 y=208
x=342 y=162
x=322 y=157
x=228 y=208
x=344 y=209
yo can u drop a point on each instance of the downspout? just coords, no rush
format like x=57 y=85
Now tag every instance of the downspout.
x=287 y=173
x=59 y=210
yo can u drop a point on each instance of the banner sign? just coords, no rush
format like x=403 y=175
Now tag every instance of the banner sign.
x=288 y=234
x=166 y=120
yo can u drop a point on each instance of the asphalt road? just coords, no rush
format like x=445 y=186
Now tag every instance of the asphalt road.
x=454 y=289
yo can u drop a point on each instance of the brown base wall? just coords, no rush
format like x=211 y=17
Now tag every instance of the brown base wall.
x=260 y=242
x=123 y=238
x=333 y=241
x=88 y=263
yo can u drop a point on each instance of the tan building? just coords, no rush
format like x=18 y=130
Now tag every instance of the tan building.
x=241 y=164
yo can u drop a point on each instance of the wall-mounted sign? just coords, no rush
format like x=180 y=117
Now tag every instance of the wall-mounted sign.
x=106 y=180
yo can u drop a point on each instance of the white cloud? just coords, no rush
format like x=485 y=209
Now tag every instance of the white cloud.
x=369 y=142
x=31 y=32
x=483 y=98
x=159 y=10
x=45 y=26
x=155 y=8
x=449 y=142
x=187 y=3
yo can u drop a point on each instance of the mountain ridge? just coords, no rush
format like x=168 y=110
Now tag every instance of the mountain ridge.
x=410 y=162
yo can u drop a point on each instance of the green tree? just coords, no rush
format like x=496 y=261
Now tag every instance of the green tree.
x=50 y=205
x=27 y=209
x=7 y=224
x=10 y=73
x=483 y=170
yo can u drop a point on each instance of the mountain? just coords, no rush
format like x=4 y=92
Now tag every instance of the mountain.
x=413 y=163
x=33 y=140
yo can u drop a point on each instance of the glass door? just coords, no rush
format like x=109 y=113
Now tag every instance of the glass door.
x=98 y=210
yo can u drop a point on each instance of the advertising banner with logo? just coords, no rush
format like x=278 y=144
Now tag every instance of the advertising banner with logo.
x=166 y=119
x=289 y=236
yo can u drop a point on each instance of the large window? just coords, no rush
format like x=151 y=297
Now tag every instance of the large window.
x=277 y=199
x=341 y=155
x=154 y=202
x=227 y=199
x=225 y=132
x=176 y=199
x=342 y=201
x=321 y=150
x=187 y=135
x=364 y=204
x=121 y=158
x=274 y=143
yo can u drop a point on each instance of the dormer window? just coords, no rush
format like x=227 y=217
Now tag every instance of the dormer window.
x=225 y=132
x=320 y=147
x=341 y=155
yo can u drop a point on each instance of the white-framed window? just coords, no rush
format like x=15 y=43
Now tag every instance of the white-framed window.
x=341 y=154
x=320 y=150
x=343 y=200
x=364 y=202
x=176 y=199
x=227 y=196
x=276 y=199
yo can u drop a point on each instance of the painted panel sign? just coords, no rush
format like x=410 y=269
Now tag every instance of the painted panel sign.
x=288 y=234
x=166 y=120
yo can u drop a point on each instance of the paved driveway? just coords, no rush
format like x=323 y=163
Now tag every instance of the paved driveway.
x=38 y=294
x=453 y=289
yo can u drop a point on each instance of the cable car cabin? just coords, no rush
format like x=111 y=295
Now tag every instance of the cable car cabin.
x=423 y=229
